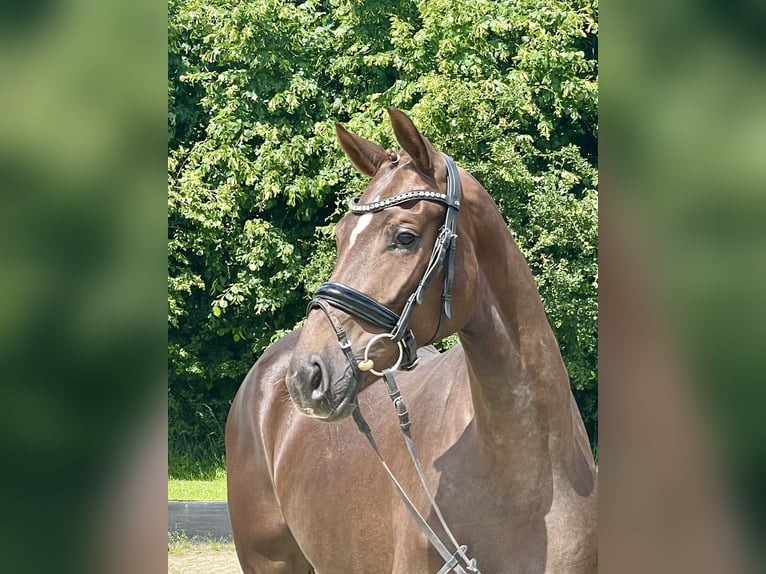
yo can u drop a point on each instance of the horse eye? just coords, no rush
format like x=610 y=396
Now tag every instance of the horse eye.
x=405 y=238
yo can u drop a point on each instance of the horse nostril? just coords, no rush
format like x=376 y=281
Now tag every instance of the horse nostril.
x=317 y=379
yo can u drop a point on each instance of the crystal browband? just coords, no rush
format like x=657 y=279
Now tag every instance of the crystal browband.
x=415 y=194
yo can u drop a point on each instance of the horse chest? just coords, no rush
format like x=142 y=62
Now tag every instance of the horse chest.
x=347 y=518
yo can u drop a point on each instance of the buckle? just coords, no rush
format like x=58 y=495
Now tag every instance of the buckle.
x=453 y=563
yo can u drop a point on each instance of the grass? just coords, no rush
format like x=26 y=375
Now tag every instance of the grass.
x=213 y=488
x=179 y=543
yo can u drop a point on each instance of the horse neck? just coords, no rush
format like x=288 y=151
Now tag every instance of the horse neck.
x=519 y=385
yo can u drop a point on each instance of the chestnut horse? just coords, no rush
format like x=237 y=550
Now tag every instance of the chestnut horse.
x=500 y=438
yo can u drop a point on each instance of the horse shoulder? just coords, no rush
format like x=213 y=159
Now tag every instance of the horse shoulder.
x=263 y=540
x=261 y=396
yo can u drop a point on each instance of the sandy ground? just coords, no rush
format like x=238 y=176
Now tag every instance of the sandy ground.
x=203 y=559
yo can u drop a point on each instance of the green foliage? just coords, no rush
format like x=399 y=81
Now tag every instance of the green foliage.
x=256 y=180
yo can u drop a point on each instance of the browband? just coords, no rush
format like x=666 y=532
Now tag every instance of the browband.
x=414 y=195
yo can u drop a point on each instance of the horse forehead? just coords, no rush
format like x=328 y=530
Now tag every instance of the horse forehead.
x=352 y=225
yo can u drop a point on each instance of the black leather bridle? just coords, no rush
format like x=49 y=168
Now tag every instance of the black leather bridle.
x=364 y=307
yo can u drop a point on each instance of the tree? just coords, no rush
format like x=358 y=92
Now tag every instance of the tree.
x=256 y=181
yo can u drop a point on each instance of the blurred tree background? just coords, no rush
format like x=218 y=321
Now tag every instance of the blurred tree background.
x=256 y=181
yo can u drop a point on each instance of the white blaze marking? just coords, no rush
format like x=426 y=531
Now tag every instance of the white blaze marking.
x=364 y=221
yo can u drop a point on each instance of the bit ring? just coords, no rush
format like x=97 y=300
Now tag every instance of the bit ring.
x=368 y=365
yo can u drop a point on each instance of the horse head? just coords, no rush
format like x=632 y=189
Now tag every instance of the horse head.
x=395 y=248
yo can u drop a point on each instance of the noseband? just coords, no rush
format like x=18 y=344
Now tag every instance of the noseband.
x=364 y=307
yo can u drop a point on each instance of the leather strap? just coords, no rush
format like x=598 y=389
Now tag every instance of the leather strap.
x=414 y=195
x=405 y=424
x=451 y=563
x=454 y=191
x=340 y=333
x=357 y=304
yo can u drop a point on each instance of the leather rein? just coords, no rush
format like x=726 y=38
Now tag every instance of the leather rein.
x=397 y=329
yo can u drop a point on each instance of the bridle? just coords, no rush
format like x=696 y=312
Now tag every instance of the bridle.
x=397 y=329
x=364 y=307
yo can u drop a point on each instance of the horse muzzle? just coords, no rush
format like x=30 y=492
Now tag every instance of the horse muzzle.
x=322 y=388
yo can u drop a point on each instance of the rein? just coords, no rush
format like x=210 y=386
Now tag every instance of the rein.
x=364 y=307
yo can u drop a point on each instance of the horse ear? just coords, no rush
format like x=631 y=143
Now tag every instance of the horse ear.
x=364 y=154
x=411 y=140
